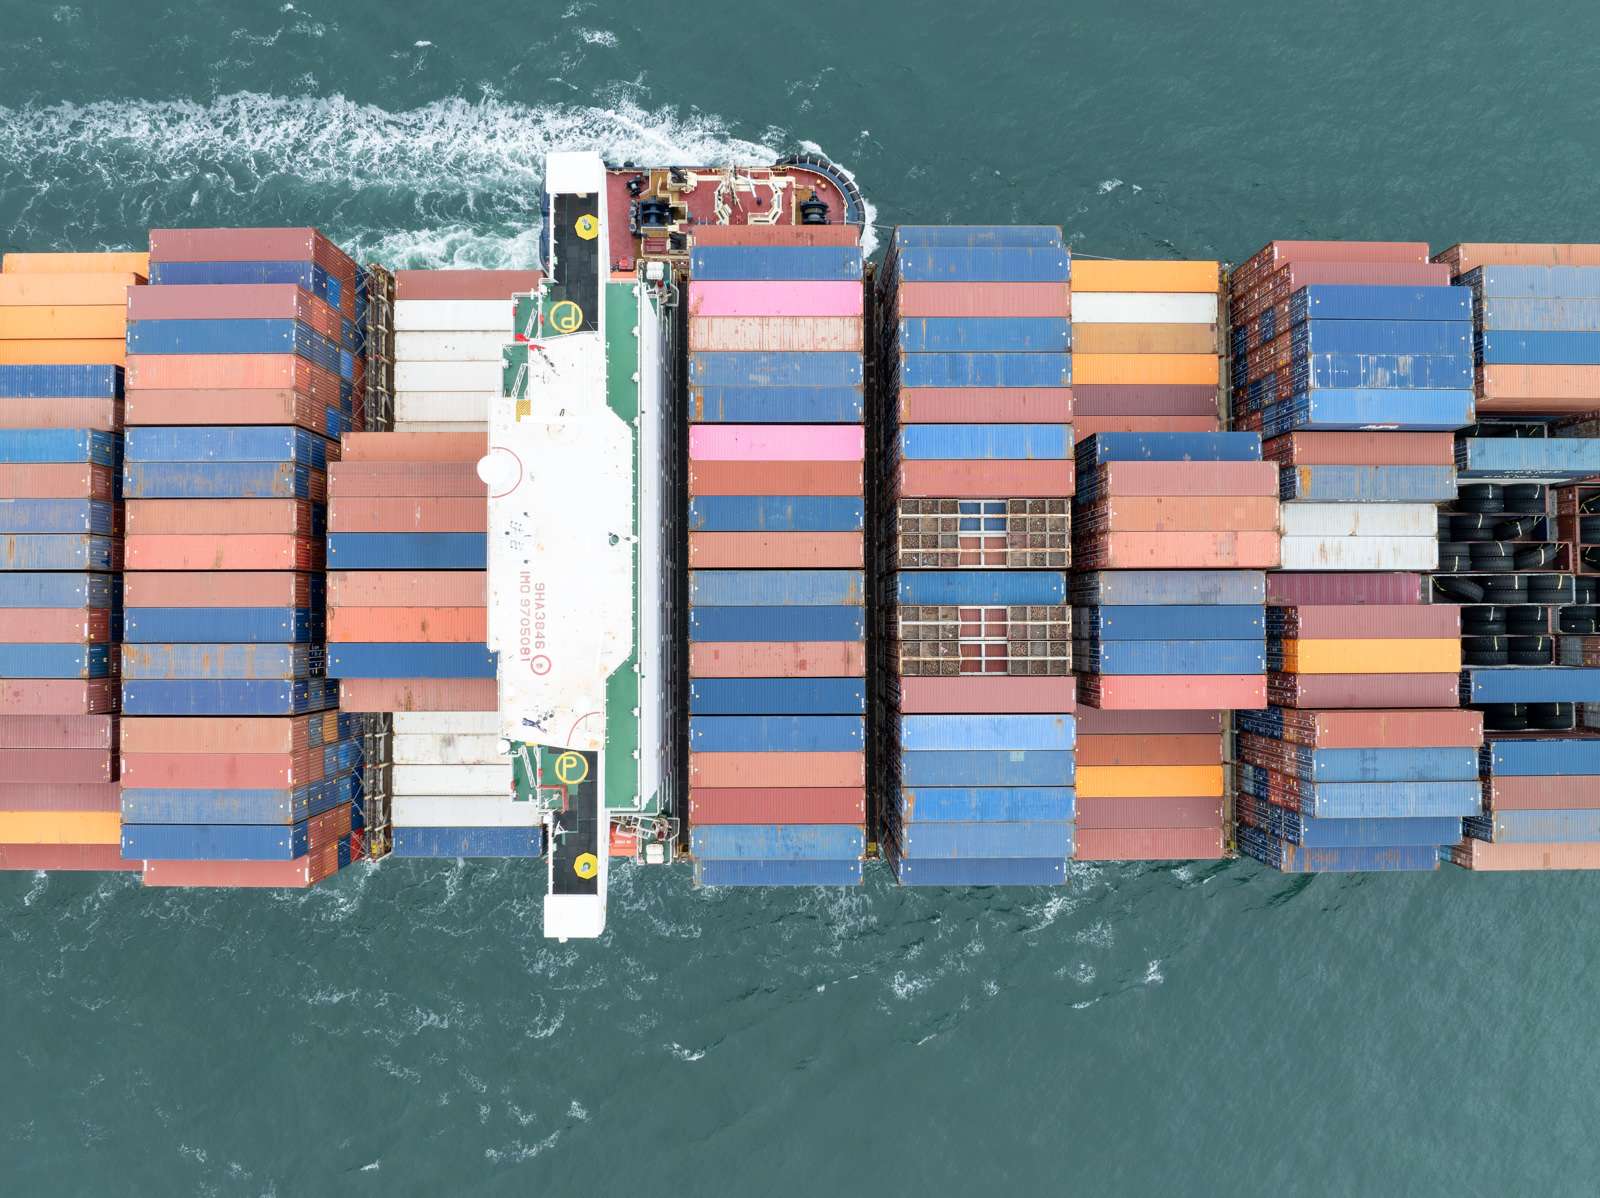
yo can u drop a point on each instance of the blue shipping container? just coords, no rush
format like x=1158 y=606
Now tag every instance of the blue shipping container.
x=1346 y=833
x=1542 y=315
x=308 y=276
x=776 y=513
x=774 y=368
x=257 y=443
x=1556 y=348
x=1541 y=758
x=59 y=551
x=1004 y=732
x=1551 y=459
x=408 y=551
x=56 y=661
x=233 y=337
x=776 y=405
x=1383 y=336
x=1001 y=871
x=222 y=661
x=1166 y=588
x=1369 y=484
x=777 y=733
x=1178 y=657
x=1383 y=371
x=1374 y=800
x=60 y=382
x=1233 y=622
x=1530 y=684
x=1170 y=447
x=993 y=587
x=1009 y=264
x=777 y=873
x=221 y=480
x=938 y=804
x=451 y=843
x=986 y=370
x=411 y=660
x=991 y=334
x=213 y=842
x=977 y=236
x=777 y=842
x=232 y=625
x=987 y=767
x=77 y=445
x=1293 y=858
x=157 y=805
x=1357 y=409
x=778 y=588
x=59 y=590
x=1375 y=765
x=778 y=696
x=57 y=516
x=776 y=262
x=1542 y=282
x=756 y=624
x=1366 y=302
x=985 y=840
x=156 y=696
x=981 y=442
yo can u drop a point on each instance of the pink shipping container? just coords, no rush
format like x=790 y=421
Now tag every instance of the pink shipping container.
x=1243 y=550
x=58 y=732
x=775 y=234
x=983 y=299
x=1145 y=399
x=418 y=694
x=1480 y=854
x=1149 y=813
x=1362 y=449
x=222 y=589
x=58 y=765
x=1166 y=749
x=233 y=301
x=414 y=447
x=97 y=858
x=986 y=480
x=780 y=334
x=303 y=244
x=56 y=625
x=777 y=442
x=1566 y=793
x=776 y=298
x=411 y=514
x=58 y=696
x=1362 y=690
x=191 y=771
x=777 y=769
x=60 y=796
x=1095 y=722
x=1148 y=844
x=1387 y=729
x=775 y=478
x=1373 y=621
x=299 y=873
x=1119 y=479
x=777 y=550
x=979 y=695
x=234 y=406
x=57 y=480
x=220 y=734
x=1294 y=587
x=405 y=479
x=64 y=412
x=464 y=285
x=1168 y=692
x=1469 y=255
x=409 y=625
x=407 y=588
x=224 y=551
x=986 y=405
x=778 y=805
x=777 y=659
x=255 y=517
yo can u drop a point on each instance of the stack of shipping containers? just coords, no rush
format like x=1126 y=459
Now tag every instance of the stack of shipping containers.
x=238 y=770
x=1518 y=537
x=61 y=416
x=1173 y=531
x=1348 y=768
x=977 y=763
x=777 y=588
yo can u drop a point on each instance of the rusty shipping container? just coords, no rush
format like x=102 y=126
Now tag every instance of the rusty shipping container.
x=418 y=694
x=58 y=696
x=464 y=285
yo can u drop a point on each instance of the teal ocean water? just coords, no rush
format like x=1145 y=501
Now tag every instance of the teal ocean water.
x=1198 y=1030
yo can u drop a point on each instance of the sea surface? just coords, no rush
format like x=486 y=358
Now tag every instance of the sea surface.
x=1204 y=1029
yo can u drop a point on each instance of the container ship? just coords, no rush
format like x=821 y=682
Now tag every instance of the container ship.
x=712 y=543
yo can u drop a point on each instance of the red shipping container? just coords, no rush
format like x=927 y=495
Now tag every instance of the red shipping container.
x=224 y=551
x=775 y=478
x=1362 y=690
x=412 y=514
x=986 y=480
x=235 y=406
x=1362 y=449
x=1149 y=813
x=63 y=412
x=235 y=516
x=221 y=589
x=218 y=734
x=983 y=299
x=778 y=805
x=58 y=732
x=1150 y=844
x=407 y=588
x=232 y=372
x=59 y=696
x=97 y=858
x=224 y=770
x=1168 y=692
x=299 y=873
x=778 y=659
x=1384 y=729
x=399 y=480
x=981 y=695
x=236 y=301
x=56 y=625
x=778 y=550
x=414 y=447
x=1372 y=621
x=1333 y=589
x=57 y=765
x=60 y=796
x=57 y=480
x=1571 y=792
x=775 y=234
x=1094 y=722
x=1145 y=399
x=409 y=625
x=1243 y=550
x=1088 y=426
x=418 y=694
x=781 y=770
x=1166 y=749
x=464 y=284
x=986 y=405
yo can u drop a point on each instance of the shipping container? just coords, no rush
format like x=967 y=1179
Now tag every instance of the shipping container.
x=760 y=262
x=777 y=873
x=984 y=694
x=773 y=478
x=973 y=480
x=998 y=871
x=776 y=659
x=1144 y=812
x=743 y=550
x=1148 y=844
x=939 y=804
x=151 y=696
x=979 y=442
x=778 y=588
x=777 y=733
x=407 y=551
x=986 y=767
x=1173 y=692
x=403 y=588
x=776 y=443
x=411 y=286
x=349 y=659
x=984 y=840
x=986 y=370
x=99 y=858
x=988 y=405
x=1009 y=264
x=776 y=842
x=1230 y=622
x=777 y=805
x=984 y=300
x=754 y=624
x=418 y=694
x=776 y=769
x=777 y=696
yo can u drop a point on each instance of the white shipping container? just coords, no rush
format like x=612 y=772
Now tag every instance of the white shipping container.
x=448 y=376
x=452 y=779
x=1299 y=519
x=453 y=316
x=1143 y=307
x=1360 y=553
x=472 y=723
x=455 y=811
x=449 y=347
x=447 y=748
x=441 y=426
x=443 y=405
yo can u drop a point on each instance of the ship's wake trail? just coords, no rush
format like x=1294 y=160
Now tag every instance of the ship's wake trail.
x=462 y=178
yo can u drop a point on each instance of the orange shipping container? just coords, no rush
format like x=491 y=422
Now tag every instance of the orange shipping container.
x=1097 y=274
x=1144 y=339
x=415 y=447
x=106 y=261
x=418 y=694
x=85 y=321
x=1180 y=513
x=1125 y=781
x=236 y=516
x=60 y=827
x=777 y=659
x=96 y=289
x=777 y=769
x=407 y=588
x=1194 y=550
x=410 y=625
x=1379 y=655
x=219 y=551
x=779 y=550
x=1088 y=369
x=109 y=351
x=359 y=514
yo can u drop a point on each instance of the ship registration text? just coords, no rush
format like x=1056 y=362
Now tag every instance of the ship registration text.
x=531 y=644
